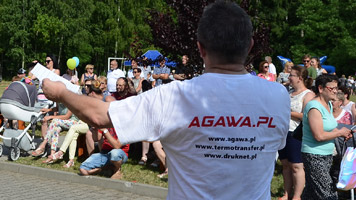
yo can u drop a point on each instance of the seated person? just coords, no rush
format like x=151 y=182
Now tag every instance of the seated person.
x=110 y=154
x=64 y=120
x=92 y=89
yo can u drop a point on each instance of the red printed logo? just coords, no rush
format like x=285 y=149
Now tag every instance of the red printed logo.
x=230 y=121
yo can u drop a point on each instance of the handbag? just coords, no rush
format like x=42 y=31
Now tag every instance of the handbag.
x=298 y=132
x=347 y=176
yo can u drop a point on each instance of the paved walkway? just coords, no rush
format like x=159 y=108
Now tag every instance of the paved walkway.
x=23 y=186
x=28 y=182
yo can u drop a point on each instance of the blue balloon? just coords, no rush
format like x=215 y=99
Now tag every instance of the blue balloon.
x=283 y=60
x=76 y=61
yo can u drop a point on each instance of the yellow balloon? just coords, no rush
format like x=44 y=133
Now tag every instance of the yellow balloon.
x=71 y=64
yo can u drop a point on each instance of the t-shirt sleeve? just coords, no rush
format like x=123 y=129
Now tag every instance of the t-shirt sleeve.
x=138 y=118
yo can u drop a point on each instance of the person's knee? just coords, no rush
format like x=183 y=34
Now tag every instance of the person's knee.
x=297 y=167
x=117 y=155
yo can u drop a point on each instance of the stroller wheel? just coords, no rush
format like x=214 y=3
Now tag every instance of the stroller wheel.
x=14 y=153
x=1 y=150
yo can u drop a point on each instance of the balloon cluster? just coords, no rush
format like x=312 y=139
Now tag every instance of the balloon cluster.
x=72 y=63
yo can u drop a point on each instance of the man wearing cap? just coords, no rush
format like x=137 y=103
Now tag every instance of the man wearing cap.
x=21 y=73
x=220 y=137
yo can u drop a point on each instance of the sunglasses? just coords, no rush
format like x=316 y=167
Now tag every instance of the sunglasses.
x=48 y=61
x=266 y=66
x=136 y=72
x=90 y=68
x=87 y=85
x=306 y=61
x=335 y=89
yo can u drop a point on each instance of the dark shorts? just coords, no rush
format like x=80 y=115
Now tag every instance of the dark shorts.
x=292 y=150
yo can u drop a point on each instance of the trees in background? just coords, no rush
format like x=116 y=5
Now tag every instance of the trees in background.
x=94 y=30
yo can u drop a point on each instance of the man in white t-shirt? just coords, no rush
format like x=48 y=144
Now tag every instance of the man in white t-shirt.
x=113 y=75
x=271 y=67
x=221 y=131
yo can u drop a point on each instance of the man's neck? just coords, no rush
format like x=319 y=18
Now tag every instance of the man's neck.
x=226 y=69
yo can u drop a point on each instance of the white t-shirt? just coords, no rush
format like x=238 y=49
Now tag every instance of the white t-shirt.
x=112 y=78
x=272 y=69
x=348 y=107
x=220 y=133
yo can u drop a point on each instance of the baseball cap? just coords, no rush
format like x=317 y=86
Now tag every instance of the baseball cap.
x=21 y=71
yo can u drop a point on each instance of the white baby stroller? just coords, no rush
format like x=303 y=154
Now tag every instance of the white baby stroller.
x=20 y=140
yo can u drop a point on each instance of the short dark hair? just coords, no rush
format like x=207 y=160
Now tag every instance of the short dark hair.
x=322 y=80
x=138 y=70
x=225 y=31
x=346 y=91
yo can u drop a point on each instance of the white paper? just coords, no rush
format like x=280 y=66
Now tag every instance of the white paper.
x=42 y=72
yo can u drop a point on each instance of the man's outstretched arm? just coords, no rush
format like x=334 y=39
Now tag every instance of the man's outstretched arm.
x=91 y=110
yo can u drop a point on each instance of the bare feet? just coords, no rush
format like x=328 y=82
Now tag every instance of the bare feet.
x=117 y=175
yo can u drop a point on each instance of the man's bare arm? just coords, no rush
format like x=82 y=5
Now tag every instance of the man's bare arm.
x=91 y=110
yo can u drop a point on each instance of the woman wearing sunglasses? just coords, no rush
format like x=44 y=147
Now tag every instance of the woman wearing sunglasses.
x=263 y=69
x=51 y=64
x=89 y=74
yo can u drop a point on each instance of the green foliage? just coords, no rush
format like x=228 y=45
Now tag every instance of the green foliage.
x=94 y=30
x=91 y=30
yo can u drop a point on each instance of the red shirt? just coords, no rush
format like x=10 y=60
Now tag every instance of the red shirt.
x=107 y=146
x=117 y=97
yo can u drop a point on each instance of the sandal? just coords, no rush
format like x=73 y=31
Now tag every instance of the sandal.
x=56 y=156
x=38 y=152
x=142 y=161
x=69 y=164
x=165 y=173
x=48 y=161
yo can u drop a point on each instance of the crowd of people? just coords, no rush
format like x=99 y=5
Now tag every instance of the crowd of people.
x=117 y=85
x=199 y=126
x=319 y=101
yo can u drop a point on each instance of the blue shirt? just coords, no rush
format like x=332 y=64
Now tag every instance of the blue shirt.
x=309 y=144
x=161 y=70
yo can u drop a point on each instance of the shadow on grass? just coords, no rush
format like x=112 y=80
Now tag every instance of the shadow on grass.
x=277 y=182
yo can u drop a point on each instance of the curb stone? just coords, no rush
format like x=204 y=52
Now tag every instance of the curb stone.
x=124 y=186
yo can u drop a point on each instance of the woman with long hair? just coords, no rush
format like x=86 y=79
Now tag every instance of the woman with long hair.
x=290 y=155
x=315 y=62
x=52 y=64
